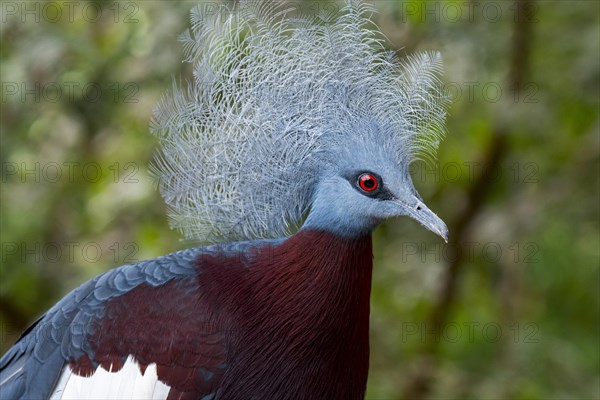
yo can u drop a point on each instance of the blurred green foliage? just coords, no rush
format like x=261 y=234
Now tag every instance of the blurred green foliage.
x=522 y=320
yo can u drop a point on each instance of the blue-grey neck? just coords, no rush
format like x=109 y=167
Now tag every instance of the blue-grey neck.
x=334 y=211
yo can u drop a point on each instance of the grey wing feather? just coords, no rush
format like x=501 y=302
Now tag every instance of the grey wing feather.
x=31 y=368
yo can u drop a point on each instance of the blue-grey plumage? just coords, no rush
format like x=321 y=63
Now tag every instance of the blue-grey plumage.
x=290 y=146
x=279 y=107
x=31 y=368
x=339 y=203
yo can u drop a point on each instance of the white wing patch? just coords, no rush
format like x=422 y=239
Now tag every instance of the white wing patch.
x=127 y=383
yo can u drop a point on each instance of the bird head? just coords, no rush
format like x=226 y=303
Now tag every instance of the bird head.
x=294 y=122
x=364 y=183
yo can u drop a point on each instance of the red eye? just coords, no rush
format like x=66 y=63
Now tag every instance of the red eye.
x=368 y=182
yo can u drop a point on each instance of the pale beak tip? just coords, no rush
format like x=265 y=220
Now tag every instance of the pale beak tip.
x=429 y=220
x=442 y=231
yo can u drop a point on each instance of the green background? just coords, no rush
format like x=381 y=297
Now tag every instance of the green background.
x=508 y=309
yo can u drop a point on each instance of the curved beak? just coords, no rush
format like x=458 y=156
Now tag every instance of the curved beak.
x=417 y=210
